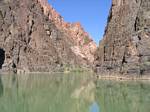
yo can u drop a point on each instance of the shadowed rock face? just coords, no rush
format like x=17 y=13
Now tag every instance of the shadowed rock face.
x=125 y=47
x=36 y=39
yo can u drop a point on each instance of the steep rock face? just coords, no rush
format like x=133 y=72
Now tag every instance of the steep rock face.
x=34 y=38
x=84 y=45
x=125 y=48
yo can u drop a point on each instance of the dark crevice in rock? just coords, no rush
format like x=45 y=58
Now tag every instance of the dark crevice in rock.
x=2 y=57
x=105 y=53
x=124 y=1
x=136 y=24
x=124 y=60
x=139 y=37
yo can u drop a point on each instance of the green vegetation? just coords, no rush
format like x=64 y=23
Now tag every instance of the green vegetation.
x=77 y=69
x=86 y=40
x=1 y=15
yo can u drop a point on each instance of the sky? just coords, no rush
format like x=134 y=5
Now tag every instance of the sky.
x=92 y=14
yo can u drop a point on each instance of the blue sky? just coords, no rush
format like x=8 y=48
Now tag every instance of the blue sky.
x=92 y=14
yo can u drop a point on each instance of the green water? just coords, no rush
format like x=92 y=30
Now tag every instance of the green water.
x=72 y=92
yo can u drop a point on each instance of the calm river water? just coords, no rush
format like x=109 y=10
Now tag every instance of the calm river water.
x=74 y=92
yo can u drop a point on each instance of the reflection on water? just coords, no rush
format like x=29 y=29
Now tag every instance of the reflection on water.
x=94 y=107
x=71 y=93
x=123 y=96
x=1 y=87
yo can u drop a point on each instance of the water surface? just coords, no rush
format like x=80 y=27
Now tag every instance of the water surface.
x=74 y=92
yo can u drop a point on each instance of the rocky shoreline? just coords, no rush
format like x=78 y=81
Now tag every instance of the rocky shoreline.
x=120 y=77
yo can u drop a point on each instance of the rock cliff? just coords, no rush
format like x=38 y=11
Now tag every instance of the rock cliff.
x=35 y=38
x=125 y=47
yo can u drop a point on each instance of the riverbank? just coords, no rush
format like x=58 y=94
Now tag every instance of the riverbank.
x=123 y=77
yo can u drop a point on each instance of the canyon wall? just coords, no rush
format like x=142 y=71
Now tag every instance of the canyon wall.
x=35 y=38
x=125 y=48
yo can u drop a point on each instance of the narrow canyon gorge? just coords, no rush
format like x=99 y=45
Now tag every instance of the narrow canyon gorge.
x=35 y=38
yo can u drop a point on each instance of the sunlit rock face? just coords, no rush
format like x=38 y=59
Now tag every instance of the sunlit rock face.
x=125 y=47
x=35 y=38
x=74 y=31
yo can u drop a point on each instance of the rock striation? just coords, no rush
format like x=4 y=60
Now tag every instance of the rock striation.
x=35 y=38
x=125 y=48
